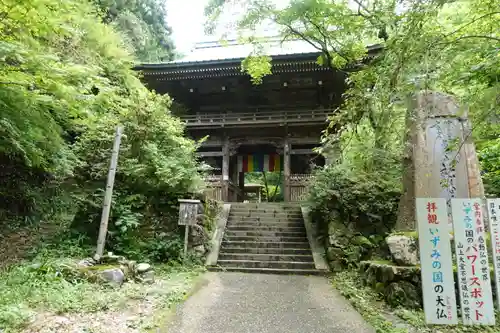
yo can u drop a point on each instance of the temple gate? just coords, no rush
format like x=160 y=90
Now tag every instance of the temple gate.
x=271 y=126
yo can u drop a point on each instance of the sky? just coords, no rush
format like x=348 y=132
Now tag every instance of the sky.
x=186 y=19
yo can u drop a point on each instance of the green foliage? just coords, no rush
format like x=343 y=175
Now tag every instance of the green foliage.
x=369 y=303
x=257 y=67
x=366 y=301
x=490 y=163
x=143 y=26
x=51 y=284
x=446 y=46
x=65 y=84
x=366 y=200
x=272 y=182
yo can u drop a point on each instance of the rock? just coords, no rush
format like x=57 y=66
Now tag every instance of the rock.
x=370 y=276
x=131 y=265
x=114 y=276
x=142 y=268
x=147 y=277
x=404 y=249
x=111 y=258
x=126 y=271
x=336 y=265
x=87 y=262
x=404 y=294
x=35 y=266
x=197 y=235
x=200 y=249
x=334 y=253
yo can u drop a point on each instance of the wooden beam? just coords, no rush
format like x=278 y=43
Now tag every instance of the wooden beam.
x=305 y=141
x=209 y=153
x=305 y=151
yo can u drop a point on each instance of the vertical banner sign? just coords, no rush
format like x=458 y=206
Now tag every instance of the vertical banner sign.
x=493 y=206
x=472 y=262
x=438 y=284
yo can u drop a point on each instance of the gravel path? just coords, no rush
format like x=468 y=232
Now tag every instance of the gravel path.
x=260 y=303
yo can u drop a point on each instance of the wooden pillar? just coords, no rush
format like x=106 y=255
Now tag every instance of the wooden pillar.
x=286 y=170
x=241 y=184
x=225 y=169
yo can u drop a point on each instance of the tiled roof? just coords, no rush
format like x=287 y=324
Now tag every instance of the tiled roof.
x=210 y=51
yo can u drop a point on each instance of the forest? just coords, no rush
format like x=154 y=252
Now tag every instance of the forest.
x=66 y=83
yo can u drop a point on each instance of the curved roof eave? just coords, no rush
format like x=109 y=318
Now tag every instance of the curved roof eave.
x=237 y=61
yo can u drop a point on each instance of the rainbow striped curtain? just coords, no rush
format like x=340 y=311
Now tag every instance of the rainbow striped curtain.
x=260 y=162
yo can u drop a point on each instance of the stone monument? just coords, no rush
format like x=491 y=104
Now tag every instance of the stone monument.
x=440 y=157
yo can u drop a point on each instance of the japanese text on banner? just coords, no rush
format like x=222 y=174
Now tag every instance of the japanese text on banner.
x=472 y=262
x=493 y=206
x=436 y=263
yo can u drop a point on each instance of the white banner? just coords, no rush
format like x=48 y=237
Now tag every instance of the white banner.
x=472 y=262
x=438 y=285
x=493 y=207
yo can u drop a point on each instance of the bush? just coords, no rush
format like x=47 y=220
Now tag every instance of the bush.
x=366 y=201
x=353 y=210
x=68 y=82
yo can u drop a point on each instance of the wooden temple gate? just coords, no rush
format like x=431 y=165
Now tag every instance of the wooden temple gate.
x=283 y=115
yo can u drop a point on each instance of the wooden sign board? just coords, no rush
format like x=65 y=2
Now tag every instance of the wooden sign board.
x=188 y=211
x=472 y=262
x=438 y=285
x=493 y=208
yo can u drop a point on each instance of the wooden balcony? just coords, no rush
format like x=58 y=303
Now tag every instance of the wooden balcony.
x=317 y=116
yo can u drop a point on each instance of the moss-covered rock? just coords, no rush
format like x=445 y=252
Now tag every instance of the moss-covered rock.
x=404 y=249
x=334 y=254
x=403 y=293
x=336 y=266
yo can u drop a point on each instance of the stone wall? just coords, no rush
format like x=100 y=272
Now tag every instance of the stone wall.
x=401 y=285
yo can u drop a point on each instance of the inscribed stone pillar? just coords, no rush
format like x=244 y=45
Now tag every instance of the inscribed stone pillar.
x=440 y=157
x=225 y=169
x=286 y=170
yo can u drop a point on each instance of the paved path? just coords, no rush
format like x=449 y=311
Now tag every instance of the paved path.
x=255 y=303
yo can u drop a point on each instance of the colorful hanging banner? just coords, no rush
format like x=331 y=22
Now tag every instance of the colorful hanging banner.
x=438 y=286
x=260 y=162
x=472 y=262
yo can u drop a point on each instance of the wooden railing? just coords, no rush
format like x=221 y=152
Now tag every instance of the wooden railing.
x=214 y=189
x=298 y=186
x=260 y=117
x=235 y=194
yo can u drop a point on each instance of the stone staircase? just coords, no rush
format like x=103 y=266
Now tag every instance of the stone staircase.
x=266 y=238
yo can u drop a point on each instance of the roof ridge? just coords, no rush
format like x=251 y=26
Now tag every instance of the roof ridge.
x=235 y=42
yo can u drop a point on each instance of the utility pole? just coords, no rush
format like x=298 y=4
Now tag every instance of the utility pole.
x=106 y=207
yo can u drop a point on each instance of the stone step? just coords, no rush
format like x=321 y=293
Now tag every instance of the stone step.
x=283 y=271
x=266 y=264
x=266 y=204
x=264 y=233
x=264 y=227
x=264 y=239
x=268 y=220
x=266 y=257
x=246 y=212
x=265 y=245
x=264 y=250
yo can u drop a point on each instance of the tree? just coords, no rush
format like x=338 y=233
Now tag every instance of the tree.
x=143 y=25
x=65 y=84
x=443 y=45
